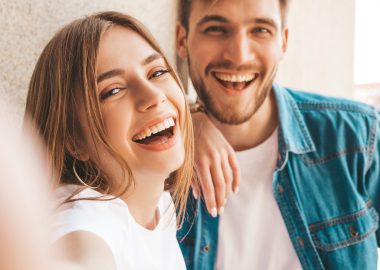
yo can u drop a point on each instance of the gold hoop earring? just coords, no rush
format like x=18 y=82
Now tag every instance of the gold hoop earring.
x=78 y=177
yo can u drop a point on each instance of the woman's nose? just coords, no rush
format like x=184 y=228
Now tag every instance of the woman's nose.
x=149 y=97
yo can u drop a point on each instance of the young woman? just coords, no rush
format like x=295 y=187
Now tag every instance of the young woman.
x=118 y=133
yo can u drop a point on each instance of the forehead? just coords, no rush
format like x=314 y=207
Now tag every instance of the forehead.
x=122 y=47
x=235 y=11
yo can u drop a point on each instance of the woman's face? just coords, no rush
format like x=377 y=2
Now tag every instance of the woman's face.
x=141 y=104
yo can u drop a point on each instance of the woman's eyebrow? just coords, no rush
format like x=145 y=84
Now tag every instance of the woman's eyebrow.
x=117 y=72
x=151 y=58
x=109 y=74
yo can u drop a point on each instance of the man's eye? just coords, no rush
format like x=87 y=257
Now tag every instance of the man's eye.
x=261 y=30
x=159 y=73
x=108 y=93
x=216 y=30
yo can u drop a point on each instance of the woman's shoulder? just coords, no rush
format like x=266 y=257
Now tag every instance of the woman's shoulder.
x=90 y=211
x=76 y=197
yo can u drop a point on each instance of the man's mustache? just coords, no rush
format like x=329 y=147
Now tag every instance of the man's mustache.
x=231 y=66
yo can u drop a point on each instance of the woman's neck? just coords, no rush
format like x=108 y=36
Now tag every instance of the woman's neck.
x=142 y=200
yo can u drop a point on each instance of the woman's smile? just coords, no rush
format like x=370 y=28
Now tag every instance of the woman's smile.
x=159 y=135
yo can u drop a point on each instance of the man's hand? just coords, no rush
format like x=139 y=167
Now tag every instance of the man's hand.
x=216 y=165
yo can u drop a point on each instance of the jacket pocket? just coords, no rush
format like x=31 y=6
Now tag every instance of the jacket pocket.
x=344 y=231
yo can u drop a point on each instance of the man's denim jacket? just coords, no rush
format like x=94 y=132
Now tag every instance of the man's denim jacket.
x=327 y=186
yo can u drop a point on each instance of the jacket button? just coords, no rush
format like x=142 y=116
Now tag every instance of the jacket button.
x=354 y=232
x=206 y=248
x=301 y=242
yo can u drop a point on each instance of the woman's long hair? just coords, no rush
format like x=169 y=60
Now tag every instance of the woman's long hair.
x=63 y=79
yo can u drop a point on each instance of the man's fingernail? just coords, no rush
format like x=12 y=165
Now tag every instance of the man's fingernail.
x=236 y=191
x=195 y=194
x=225 y=201
x=221 y=211
x=213 y=212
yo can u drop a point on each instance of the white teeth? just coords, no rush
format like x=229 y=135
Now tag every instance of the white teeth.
x=235 y=78
x=160 y=127
x=146 y=132
x=167 y=123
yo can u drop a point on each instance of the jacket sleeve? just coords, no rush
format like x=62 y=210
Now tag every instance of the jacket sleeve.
x=373 y=173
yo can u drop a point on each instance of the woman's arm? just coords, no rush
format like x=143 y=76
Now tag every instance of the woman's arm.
x=216 y=164
x=83 y=251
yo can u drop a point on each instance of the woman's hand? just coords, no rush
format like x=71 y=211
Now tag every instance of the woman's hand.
x=216 y=164
x=25 y=236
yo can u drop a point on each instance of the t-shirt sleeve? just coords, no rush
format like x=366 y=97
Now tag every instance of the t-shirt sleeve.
x=94 y=217
x=78 y=217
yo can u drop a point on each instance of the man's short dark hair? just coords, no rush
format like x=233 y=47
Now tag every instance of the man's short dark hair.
x=184 y=8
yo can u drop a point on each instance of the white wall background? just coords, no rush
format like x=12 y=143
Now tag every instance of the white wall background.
x=367 y=42
x=27 y=25
x=320 y=57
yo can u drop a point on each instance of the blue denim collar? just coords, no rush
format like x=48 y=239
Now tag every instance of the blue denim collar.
x=293 y=133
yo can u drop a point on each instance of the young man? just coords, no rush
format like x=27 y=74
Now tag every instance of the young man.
x=310 y=165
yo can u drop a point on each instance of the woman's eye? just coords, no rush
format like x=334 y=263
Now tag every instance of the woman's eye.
x=159 y=73
x=109 y=93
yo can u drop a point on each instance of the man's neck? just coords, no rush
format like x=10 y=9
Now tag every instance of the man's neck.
x=254 y=131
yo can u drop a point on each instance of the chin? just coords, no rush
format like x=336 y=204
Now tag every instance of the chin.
x=164 y=163
x=174 y=162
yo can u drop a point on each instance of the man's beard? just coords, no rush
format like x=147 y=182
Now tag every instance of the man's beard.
x=229 y=114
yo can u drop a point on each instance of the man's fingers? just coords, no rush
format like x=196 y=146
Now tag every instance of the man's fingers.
x=235 y=172
x=207 y=189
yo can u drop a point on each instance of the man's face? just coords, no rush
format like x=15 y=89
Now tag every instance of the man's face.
x=233 y=48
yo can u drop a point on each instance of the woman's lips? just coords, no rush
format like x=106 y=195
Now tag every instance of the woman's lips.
x=158 y=126
x=159 y=141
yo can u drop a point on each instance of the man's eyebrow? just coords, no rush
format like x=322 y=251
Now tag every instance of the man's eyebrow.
x=109 y=74
x=221 y=19
x=212 y=18
x=267 y=21
x=151 y=58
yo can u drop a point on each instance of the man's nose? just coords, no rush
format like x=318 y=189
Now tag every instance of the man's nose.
x=149 y=96
x=239 y=49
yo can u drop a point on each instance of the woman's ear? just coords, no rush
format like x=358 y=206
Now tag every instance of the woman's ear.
x=76 y=152
x=181 y=41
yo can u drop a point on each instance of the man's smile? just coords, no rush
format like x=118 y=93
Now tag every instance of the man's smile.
x=235 y=81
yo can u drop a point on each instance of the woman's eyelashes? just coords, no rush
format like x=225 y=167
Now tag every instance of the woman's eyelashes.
x=159 y=73
x=111 y=92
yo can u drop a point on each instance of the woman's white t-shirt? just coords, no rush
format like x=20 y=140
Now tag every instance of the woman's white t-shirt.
x=132 y=245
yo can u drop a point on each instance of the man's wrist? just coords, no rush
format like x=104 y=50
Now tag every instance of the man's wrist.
x=197 y=107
